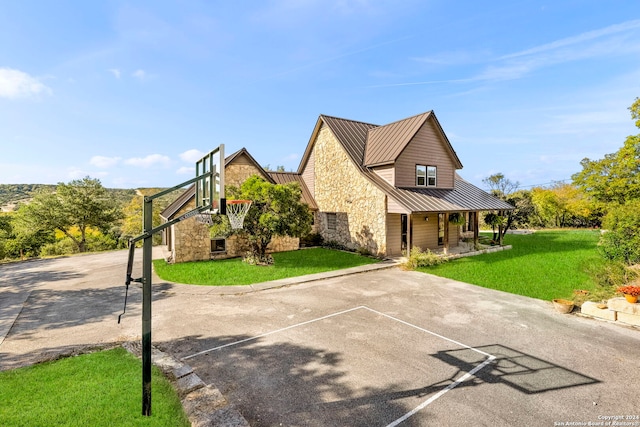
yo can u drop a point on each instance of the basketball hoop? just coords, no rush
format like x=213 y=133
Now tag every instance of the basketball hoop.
x=236 y=211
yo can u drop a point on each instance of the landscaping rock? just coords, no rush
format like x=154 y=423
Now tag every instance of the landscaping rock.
x=590 y=308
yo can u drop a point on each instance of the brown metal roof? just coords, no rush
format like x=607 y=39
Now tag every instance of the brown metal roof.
x=353 y=137
x=385 y=143
x=286 y=177
x=463 y=197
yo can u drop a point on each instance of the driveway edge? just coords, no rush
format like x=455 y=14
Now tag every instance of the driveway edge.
x=203 y=403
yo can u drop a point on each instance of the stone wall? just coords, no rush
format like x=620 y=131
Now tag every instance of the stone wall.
x=191 y=241
x=359 y=205
x=236 y=174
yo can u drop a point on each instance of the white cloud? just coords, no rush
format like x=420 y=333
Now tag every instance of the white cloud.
x=150 y=160
x=291 y=157
x=104 y=162
x=76 y=173
x=140 y=74
x=116 y=72
x=186 y=170
x=192 y=155
x=17 y=84
x=580 y=38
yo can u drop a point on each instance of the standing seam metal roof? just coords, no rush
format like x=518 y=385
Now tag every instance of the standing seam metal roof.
x=463 y=197
x=385 y=143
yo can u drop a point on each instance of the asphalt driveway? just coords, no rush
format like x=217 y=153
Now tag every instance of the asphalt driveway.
x=388 y=347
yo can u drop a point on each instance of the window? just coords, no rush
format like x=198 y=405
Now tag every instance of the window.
x=426 y=176
x=431 y=176
x=218 y=245
x=331 y=221
x=421 y=175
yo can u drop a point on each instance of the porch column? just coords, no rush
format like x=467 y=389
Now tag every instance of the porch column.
x=476 y=229
x=446 y=233
x=409 y=243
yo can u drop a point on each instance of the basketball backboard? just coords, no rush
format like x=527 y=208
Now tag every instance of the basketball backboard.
x=210 y=190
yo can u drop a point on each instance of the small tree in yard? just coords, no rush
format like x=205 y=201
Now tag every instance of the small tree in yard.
x=502 y=188
x=81 y=204
x=621 y=241
x=277 y=210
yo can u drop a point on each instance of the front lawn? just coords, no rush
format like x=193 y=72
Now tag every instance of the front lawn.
x=544 y=265
x=231 y=272
x=98 y=389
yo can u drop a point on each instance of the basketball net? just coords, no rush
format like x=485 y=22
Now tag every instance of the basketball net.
x=236 y=211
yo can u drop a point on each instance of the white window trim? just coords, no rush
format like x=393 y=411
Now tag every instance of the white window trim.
x=435 y=176
x=421 y=173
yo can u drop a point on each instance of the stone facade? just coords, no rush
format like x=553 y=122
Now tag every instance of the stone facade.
x=191 y=239
x=359 y=205
x=236 y=174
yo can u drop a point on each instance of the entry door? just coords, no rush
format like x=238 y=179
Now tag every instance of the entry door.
x=441 y=229
x=403 y=231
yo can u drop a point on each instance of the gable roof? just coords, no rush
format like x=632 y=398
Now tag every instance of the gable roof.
x=243 y=151
x=355 y=136
x=352 y=135
x=385 y=143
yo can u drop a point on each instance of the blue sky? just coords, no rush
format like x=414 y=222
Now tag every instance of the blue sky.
x=132 y=92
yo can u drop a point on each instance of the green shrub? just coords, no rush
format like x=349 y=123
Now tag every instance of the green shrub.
x=255 y=259
x=621 y=240
x=312 y=239
x=420 y=258
x=612 y=274
x=333 y=244
x=361 y=250
x=64 y=246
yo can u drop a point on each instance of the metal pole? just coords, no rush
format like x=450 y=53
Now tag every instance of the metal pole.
x=147 y=249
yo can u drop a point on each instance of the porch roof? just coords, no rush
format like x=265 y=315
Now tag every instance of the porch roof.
x=463 y=197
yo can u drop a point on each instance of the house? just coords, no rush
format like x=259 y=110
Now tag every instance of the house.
x=383 y=188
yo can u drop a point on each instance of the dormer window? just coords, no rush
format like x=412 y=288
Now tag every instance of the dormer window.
x=425 y=176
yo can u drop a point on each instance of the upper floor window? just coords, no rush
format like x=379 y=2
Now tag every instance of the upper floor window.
x=426 y=176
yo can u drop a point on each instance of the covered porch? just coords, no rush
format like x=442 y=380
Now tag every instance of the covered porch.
x=432 y=230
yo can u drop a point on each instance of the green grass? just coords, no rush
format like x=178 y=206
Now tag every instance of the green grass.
x=544 y=265
x=231 y=272
x=98 y=389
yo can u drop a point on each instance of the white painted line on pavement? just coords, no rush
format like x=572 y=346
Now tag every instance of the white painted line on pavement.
x=271 y=333
x=441 y=392
x=429 y=332
x=418 y=408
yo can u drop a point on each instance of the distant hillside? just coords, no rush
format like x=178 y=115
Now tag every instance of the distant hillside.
x=13 y=195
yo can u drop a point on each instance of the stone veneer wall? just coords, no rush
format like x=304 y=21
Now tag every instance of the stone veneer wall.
x=359 y=205
x=236 y=246
x=236 y=174
x=191 y=239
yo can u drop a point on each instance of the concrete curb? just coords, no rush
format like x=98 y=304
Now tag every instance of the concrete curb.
x=274 y=284
x=203 y=403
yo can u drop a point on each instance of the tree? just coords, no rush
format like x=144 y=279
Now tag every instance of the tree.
x=621 y=241
x=80 y=203
x=502 y=188
x=132 y=220
x=615 y=179
x=562 y=205
x=20 y=239
x=277 y=210
x=635 y=111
